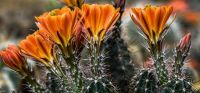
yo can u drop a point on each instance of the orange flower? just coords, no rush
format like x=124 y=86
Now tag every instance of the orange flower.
x=72 y=3
x=37 y=47
x=59 y=25
x=151 y=20
x=12 y=58
x=98 y=19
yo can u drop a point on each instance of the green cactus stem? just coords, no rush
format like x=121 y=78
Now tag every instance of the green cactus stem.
x=145 y=83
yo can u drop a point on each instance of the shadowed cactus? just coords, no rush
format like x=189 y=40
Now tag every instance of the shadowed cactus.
x=117 y=56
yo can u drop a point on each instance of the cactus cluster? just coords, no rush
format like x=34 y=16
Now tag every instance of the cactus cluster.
x=160 y=75
x=80 y=49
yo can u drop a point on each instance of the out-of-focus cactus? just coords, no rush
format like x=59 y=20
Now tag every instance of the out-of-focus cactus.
x=118 y=57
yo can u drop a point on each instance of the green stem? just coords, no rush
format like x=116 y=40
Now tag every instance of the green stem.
x=71 y=61
x=161 y=71
x=62 y=74
x=95 y=57
x=179 y=59
x=34 y=84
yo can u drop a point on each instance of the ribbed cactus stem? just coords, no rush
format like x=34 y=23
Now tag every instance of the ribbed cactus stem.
x=159 y=62
x=179 y=61
x=100 y=85
x=145 y=83
x=178 y=64
x=77 y=78
x=73 y=62
x=56 y=84
x=98 y=82
x=178 y=86
x=95 y=57
x=34 y=85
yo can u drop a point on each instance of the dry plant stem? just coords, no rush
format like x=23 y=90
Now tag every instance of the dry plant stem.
x=158 y=56
x=70 y=59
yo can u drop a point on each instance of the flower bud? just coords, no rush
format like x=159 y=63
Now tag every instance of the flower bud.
x=184 y=44
x=12 y=58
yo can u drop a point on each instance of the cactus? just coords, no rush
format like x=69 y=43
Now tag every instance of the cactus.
x=178 y=86
x=145 y=82
x=100 y=86
x=54 y=84
x=117 y=54
x=66 y=34
x=165 y=78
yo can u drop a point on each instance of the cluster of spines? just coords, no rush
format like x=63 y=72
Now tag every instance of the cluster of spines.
x=145 y=82
x=100 y=85
x=178 y=86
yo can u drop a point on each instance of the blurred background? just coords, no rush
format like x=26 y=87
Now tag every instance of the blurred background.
x=17 y=21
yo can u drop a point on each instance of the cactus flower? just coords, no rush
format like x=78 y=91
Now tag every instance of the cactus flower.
x=59 y=25
x=12 y=58
x=38 y=48
x=98 y=19
x=151 y=20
